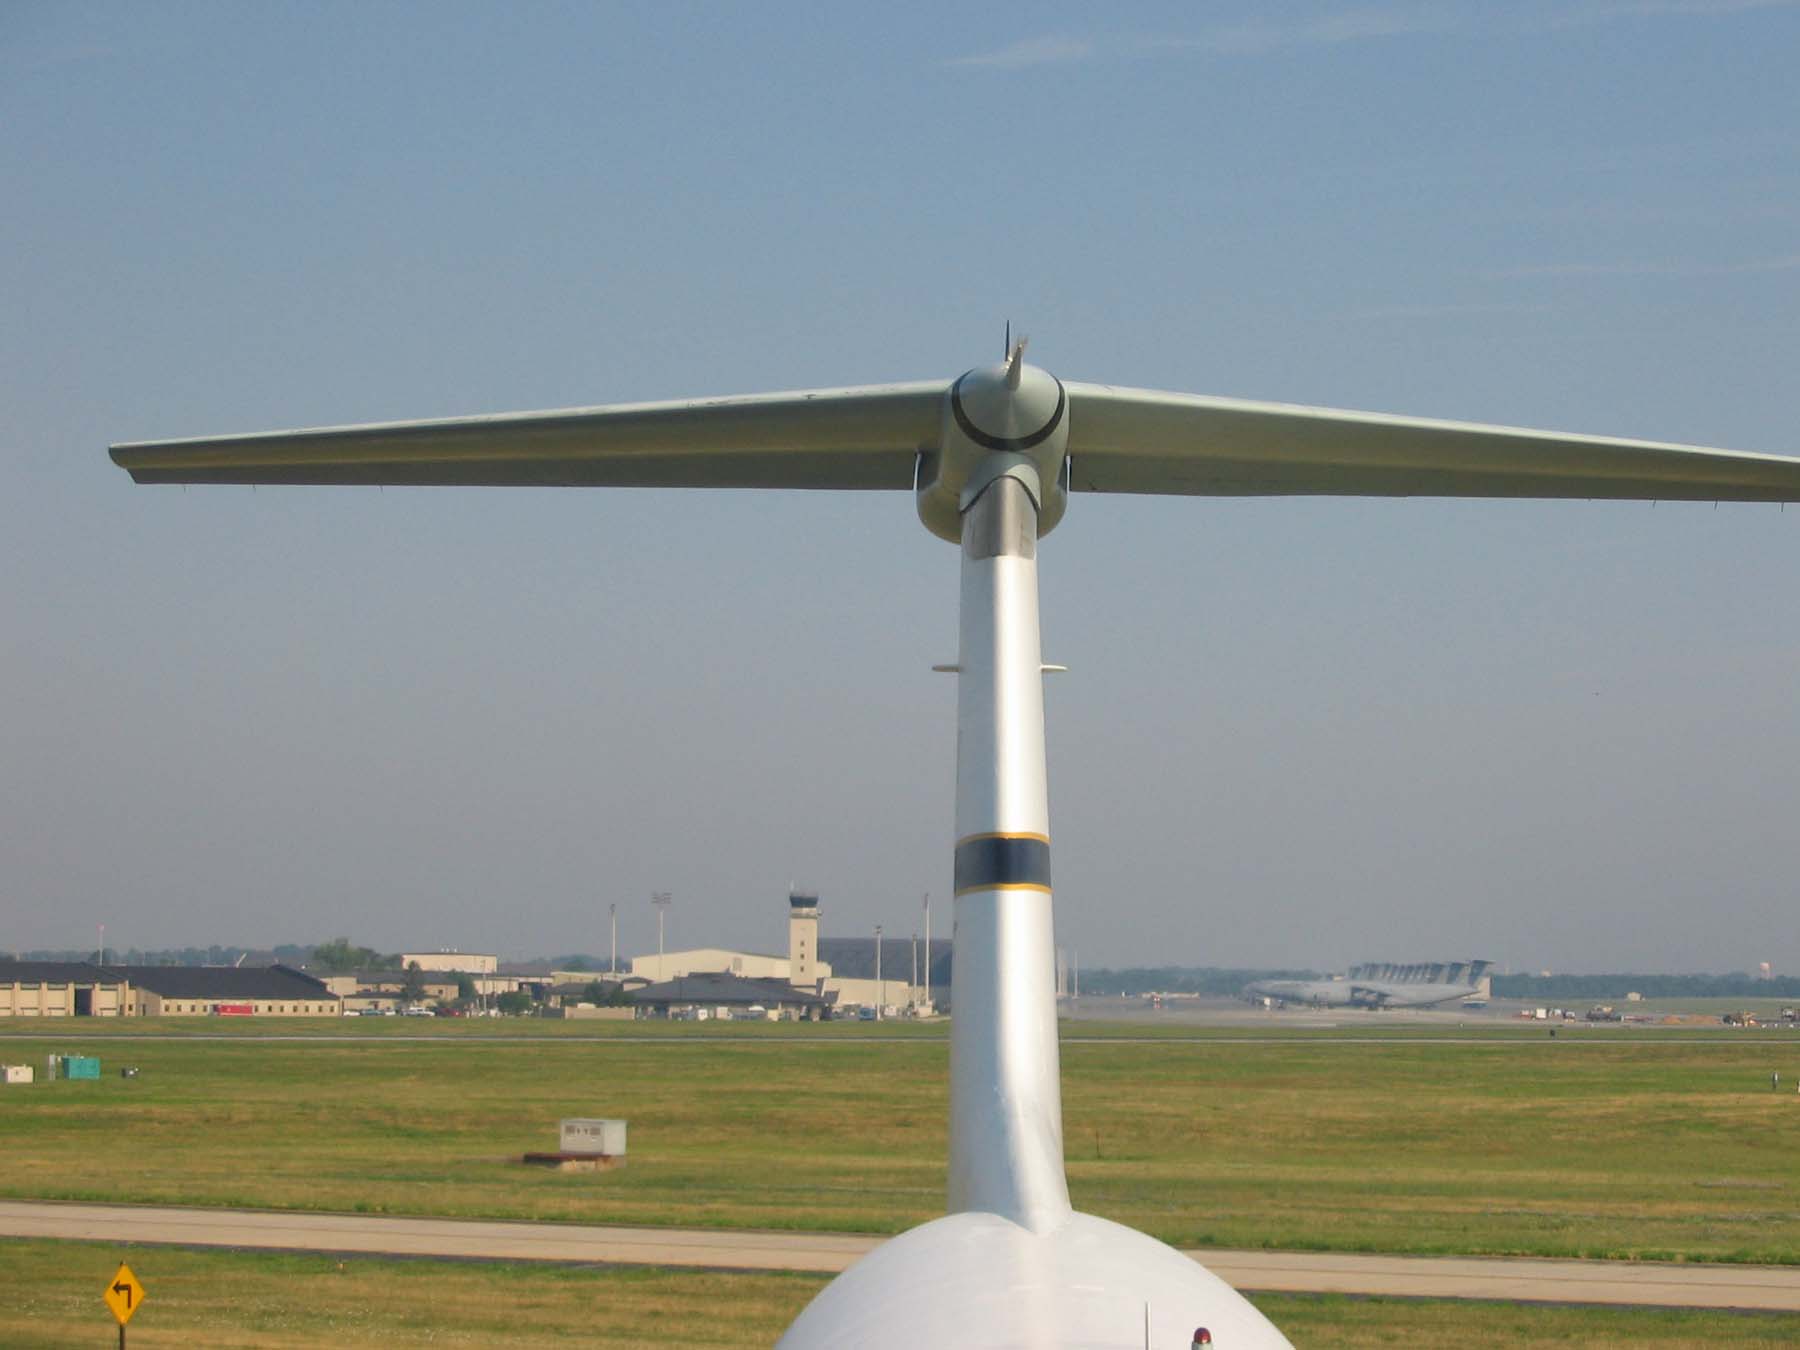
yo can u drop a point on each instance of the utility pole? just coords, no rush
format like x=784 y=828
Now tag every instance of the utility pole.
x=912 y=990
x=613 y=966
x=662 y=900
x=881 y=1006
x=102 y=944
x=927 y=949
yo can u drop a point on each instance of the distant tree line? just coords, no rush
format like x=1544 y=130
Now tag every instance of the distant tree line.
x=333 y=957
x=166 y=956
x=1613 y=988
x=339 y=957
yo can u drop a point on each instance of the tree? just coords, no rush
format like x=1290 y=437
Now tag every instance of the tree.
x=465 y=988
x=516 y=1002
x=338 y=957
x=412 y=988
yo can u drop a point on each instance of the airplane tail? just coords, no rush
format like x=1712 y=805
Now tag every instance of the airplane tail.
x=1470 y=973
x=1476 y=978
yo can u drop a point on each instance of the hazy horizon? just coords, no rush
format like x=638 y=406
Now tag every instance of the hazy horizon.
x=597 y=960
x=1295 y=733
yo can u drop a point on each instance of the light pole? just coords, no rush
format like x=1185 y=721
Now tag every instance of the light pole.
x=613 y=965
x=912 y=990
x=662 y=900
x=881 y=1005
x=928 y=950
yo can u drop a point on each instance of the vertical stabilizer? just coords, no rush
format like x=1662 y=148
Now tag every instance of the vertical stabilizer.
x=1006 y=1154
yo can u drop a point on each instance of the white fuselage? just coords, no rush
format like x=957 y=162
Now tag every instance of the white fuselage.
x=1360 y=993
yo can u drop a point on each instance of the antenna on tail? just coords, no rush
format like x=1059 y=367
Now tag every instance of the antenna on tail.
x=1015 y=359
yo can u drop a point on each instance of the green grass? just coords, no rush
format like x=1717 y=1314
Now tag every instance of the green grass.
x=1132 y=1022
x=457 y=1029
x=50 y=1295
x=1597 y=1146
x=1310 y=1320
x=1769 y=1008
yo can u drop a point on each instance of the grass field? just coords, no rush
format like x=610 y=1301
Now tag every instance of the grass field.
x=1604 y=1146
x=1096 y=1021
x=50 y=1296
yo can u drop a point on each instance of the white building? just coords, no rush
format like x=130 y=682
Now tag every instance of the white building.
x=801 y=967
x=709 y=961
x=470 y=963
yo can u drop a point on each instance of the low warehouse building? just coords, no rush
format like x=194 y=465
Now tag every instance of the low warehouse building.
x=266 y=991
x=717 y=992
x=63 y=989
x=388 y=988
x=83 y=989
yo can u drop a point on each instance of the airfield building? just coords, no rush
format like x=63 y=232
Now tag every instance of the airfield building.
x=62 y=989
x=707 y=960
x=469 y=963
x=726 y=995
x=382 y=990
x=84 y=989
x=841 y=971
x=803 y=939
x=266 y=991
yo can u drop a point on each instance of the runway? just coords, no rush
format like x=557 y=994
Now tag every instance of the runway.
x=1507 y=1037
x=1650 y=1284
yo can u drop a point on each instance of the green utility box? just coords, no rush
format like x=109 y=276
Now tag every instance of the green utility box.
x=74 y=1066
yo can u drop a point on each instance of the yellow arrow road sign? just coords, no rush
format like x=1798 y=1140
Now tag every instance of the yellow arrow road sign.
x=124 y=1294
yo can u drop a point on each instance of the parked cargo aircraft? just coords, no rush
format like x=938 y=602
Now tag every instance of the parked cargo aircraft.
x=992 y=459
x=1418 y=986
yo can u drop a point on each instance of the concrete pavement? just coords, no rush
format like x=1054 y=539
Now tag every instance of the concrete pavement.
x=1764 y=1288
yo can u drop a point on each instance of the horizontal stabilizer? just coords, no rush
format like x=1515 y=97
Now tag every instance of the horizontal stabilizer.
x=829 y=438
x=1138 y=440
x=1120 y=440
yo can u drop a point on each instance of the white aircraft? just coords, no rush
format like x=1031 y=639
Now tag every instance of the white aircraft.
x=1382 y=986
x=992 y=459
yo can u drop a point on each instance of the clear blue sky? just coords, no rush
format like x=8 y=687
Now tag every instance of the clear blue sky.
x=1316 y=732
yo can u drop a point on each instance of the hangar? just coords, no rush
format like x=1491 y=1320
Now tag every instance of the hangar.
x=722 y=994
x=62 y=989
x=85 y=989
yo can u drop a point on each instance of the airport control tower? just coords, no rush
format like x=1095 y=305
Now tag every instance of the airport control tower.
x=803 y=939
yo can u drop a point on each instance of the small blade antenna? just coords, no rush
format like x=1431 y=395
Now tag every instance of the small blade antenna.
x=1015 y=360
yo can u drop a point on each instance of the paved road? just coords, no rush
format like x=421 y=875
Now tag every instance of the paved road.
x=1525 y=1037
x=1768 y=1288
